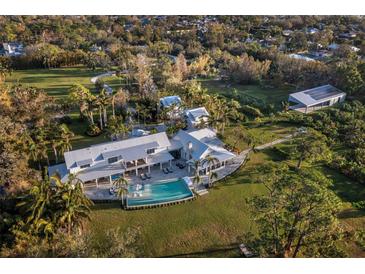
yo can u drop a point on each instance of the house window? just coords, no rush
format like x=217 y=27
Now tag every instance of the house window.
x=85 y=166
x=112 y=160
x=151 y=150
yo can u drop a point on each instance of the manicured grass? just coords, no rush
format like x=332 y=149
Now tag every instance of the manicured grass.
x=55 y=82
x=268 y=95
x=265 y=133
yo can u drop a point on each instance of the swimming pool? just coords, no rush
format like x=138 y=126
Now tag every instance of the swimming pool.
x=158 y=193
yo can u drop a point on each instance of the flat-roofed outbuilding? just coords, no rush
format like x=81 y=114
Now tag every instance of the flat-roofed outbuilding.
x=316 y=98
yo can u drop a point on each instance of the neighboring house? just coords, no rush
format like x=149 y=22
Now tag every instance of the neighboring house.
x=197 y=145
x=312 y=31
x=173 y=103
x=316 y=98
x=347 y=35
x=196 y=116
x=287 y=32
x=12 y=49
x=301 y=57
x=109 y=161
x=169 y=101
x=333 y=46
x=95 y=48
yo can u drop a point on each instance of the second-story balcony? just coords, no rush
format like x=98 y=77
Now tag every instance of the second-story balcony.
x=140 y=162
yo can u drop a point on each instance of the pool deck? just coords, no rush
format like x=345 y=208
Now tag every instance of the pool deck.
x=157 y=176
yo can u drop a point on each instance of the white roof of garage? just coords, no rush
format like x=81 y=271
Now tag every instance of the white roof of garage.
x=317 y=95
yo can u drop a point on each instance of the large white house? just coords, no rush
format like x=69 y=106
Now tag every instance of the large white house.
x=316 y=98
x=108 y=161
x=198 y=145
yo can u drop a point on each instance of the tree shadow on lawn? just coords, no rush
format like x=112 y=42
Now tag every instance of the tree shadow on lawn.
x=351 y=213
x=215 y=252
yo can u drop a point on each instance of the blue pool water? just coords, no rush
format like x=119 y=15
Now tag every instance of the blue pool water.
x=156 y=193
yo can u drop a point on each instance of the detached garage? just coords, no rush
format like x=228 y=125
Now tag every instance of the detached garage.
x=316 y=98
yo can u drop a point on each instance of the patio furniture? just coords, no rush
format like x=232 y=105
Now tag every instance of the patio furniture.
x=143 y=176
x=169 y=170
x=148 y=176
x=165 y=171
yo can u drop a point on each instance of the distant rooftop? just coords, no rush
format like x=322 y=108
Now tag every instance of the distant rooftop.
x=170 y=100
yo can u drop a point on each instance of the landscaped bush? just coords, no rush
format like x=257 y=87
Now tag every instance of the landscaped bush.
x=93 y=130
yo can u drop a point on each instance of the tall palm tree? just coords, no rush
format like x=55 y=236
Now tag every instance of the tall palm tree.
x=121 y=184
x=91 y=103
x=209 y=162
x=212 y=175
x=73 y=206
x=197 y=178
x=66 y=135
x=37 y=203
x=78 y=94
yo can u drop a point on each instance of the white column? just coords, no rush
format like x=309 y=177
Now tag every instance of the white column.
x=149 y=169
x=161 y=166
x=96 y=181
x=137 y=171
x=110 y=179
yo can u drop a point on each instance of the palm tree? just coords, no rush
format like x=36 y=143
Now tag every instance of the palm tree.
x=212 y=175
x=79 y=95
x=209 y=162
x=91 y=102
x=285 y=105
x=73 y=205
x=36 y=203
x=121 y=184
x=66 y=135
x=197 y=178
x=55 y=143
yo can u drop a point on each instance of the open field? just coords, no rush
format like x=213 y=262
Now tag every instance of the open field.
x=55 y=82
x=263 y=94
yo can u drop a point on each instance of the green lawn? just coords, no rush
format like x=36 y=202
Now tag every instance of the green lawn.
x=55 y=82
x=265 y=94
